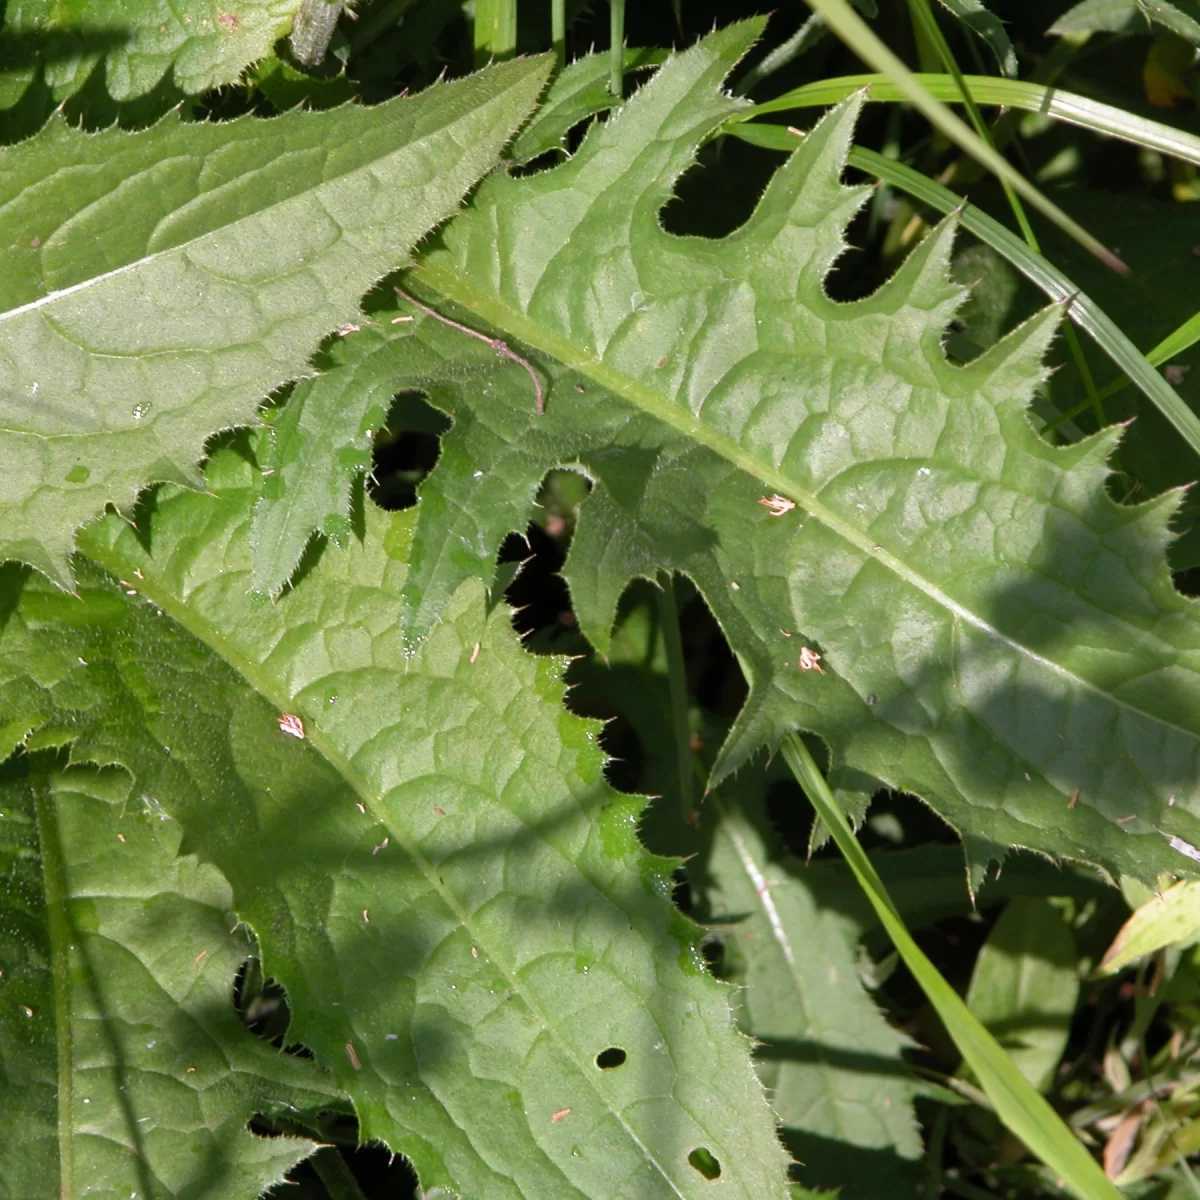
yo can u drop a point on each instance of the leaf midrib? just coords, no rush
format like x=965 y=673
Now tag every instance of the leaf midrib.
x=501 y=316
x=58 y=924
x=273 y=691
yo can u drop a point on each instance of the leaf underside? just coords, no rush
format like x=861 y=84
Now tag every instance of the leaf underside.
x=158 y=284
x=997 y=635
x=441 y=840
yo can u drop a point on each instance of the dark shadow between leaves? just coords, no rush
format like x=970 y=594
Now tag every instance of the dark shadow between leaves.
x=867 y=1172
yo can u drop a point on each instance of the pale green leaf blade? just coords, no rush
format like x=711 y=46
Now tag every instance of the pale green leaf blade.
x=828 y=479
x=1025 y=986
x=1172 y=919
x=124 y=1059
x=830 y=1060
x=436 y=834
x=158 y=284
x=200 y=44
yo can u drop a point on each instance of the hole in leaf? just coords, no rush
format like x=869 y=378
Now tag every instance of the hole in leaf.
x=406 y=449
x=375 y=1169
x=703 y=1161
x=262 y=1006
x=614 y=1056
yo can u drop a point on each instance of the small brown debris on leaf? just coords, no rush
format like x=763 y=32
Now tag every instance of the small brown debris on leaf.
x=291 y=724
x=810 y=660
x=558 y=1116
x=199 y=959
x=1074 y=800
x=779 y=505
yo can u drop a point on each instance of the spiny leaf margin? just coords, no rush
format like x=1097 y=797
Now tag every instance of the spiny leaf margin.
x=493 y=877
x=685 y=448
x=158 y=284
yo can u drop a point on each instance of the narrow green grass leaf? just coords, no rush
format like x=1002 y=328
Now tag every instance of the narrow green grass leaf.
x=1017 y=1104
x=855 y=32
x=1052 y=102
x=156 y=285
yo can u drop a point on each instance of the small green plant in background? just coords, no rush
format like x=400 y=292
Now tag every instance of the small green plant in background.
x=426 y=435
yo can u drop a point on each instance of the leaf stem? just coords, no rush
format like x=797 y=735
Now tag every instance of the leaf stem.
x=558 y=30
x=668 y=621
x=500 y=346
x=335 y=1174
x=616 y=50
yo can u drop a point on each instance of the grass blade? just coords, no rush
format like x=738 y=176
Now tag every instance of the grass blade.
x=1019 y=1106
x=855 y=32
x=1052 y=102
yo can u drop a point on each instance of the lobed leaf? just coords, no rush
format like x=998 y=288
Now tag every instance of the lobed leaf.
x=1169 y=919
x=996 y=634
x=472 y=939
x=158 y=284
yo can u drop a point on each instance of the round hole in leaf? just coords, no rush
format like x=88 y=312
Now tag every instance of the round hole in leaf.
x=702 y=1159
x=614 y=1056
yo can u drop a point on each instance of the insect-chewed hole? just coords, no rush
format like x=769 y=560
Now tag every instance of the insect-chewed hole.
x=703 y=1160
x=406 y=449
x=614 y=1056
